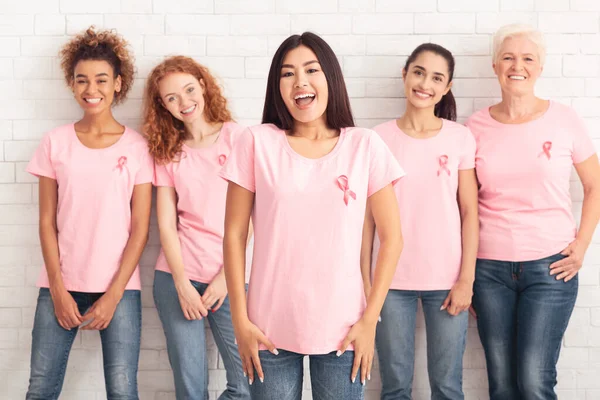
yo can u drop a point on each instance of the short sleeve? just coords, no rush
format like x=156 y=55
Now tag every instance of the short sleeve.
x=467 y=159
x=239 y=167
x=163 y=175
x=146 y=172
x=41 y=162
x=384 y=168
x=583 y=147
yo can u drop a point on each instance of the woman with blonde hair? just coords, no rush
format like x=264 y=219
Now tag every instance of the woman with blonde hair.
x=191 y=133
x=530 y=249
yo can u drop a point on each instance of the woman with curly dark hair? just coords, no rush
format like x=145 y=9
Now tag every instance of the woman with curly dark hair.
x=190 y=134
x=95 y=196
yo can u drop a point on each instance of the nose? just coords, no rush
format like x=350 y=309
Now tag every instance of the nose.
x=300 y=80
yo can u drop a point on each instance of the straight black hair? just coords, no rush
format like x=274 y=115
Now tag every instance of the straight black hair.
x=446 y=108
x=338 y=112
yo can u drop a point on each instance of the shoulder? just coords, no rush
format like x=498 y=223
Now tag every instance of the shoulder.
x=265 y=132
x=562 y=111
x=231 y=131
x=457 y=130
x=363 y=138
x=61 y=133
x=136 y=140
x=386 y=129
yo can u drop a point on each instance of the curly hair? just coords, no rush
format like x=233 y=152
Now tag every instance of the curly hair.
x=166 y=133
x=103 y=45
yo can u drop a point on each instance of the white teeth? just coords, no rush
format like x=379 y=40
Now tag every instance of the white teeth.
x=93 y=101
x=517 y=77
x=303 y=96
x=189 y=110
x=422 y=95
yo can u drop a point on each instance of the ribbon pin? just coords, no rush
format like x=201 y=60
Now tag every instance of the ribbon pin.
x=546 y=149
x=121 y=163
x=342 y=182
x=222 y=159
x=443 y=162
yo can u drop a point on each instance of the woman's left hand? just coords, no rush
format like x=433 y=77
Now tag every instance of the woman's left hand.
x=101 y=312
x=362 y=334
x=459 y=298
x=568 y=267
x=216 y=292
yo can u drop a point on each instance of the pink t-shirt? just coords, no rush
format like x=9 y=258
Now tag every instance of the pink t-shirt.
x=427 y=198
x=306 y=288
x=95 y=187
x=523 y=172
x=201 y=195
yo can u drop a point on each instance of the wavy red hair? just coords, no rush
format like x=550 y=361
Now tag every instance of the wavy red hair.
x=166 y=133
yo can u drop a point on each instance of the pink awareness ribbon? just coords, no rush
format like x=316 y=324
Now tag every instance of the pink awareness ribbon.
x=121 y=163
x=546 y=149
x=222 y=159
x=342 y=182
x=443 y=162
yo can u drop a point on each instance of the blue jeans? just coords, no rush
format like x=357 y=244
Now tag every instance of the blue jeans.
x=522 y=315
x=446 y=338
x=51 y=346
x=186 y=344
x=329 y=377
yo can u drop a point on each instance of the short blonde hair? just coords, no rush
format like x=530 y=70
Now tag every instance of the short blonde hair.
x=512 y=30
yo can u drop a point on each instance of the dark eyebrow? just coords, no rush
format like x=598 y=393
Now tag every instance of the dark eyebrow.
x=304 y=65
x=184 y=86
x=85 y=76
x=423 y=69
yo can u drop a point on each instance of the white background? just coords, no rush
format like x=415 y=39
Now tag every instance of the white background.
x=236 y=39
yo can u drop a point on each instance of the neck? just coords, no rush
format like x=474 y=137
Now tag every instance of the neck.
x=313 y=130
x=99 y=123
x=200 y=128
x=517 y=106
x=419 y=119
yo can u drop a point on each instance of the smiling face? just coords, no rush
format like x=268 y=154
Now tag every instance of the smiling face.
x=426 y=81
x=518 y=65
x=303 y=85
x=183 y=96
x=94 y=85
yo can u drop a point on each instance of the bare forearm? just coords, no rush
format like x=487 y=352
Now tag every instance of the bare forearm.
x=234 y=254
x=131 y=257
x=590 y=215
x=169 y=239
x=470 y=244
x=50 y=252
x=366 y=253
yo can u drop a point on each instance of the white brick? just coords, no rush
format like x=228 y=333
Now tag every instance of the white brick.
x=517 y=5
x=16 y=109
x=585 y=5
x=595 y=320
x=173 y=45
x=394 y=6
x=34 y=129
x=592 y=87
x=6 y=130
x=10 y=317
x=562 y=43
x=588 y=379
x=346 y=45
x=471 y=5
x=490 y=22
x=50 y=25
x=394 y=45
x=78 y=6
x=37 y=68
x=257 y=67
x=377 y=108
x=464 y=45
x=79 y=23
x=183 y=6
x=42 y=46
x=299 y=7
x=46 y=89
x=244 y=6
x=440 y=23
x=581 y=65
x=573 y=357
x=476 y=87
x=197 y=25
x=130 y=24
x=15 y=194
x=553 y=67
x=588 y=297
x=136 y=6
x=236 y=46
x=16 y=25
x=7 y=172
x=6 y=68
x=552 y=5
x=568 y=22
x=374 y=67
x=587 y=107
x=560 y=87
x=11 y=46
x=384 y=24
x=322 y=23
x=26 y=6
x=269 y=24
x=473 y=67
x=358 y=6
x=245 y=88
x=356 y=87
x=12 y=88
x=246 y=108
x=384 y=87
x=57 y=109
x=17 y=297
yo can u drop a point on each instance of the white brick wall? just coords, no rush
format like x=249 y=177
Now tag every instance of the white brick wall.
x=236 y=39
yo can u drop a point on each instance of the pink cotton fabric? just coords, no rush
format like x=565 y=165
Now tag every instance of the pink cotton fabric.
x=427 y=199
x=201 y=195
x=524 y=170
x=306 y=290
x=95 y=187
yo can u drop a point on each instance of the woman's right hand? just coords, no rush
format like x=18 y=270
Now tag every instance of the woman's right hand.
x=65 y=308
x=248 y=338
x=190 y=301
